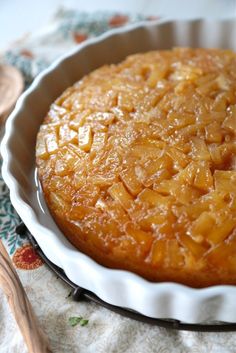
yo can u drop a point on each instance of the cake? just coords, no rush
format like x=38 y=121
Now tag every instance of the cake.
x=137 y=165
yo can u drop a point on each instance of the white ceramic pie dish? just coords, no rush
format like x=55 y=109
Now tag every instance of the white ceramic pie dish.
x=122 y=288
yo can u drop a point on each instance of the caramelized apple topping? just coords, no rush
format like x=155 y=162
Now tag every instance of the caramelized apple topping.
x=140 y=158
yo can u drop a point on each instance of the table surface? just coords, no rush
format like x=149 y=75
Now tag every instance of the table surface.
x=13 y=13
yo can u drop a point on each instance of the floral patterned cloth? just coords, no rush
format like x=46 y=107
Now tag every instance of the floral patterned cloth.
x=105 y=331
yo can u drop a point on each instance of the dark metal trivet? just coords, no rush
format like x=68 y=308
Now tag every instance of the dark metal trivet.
x=79 y=293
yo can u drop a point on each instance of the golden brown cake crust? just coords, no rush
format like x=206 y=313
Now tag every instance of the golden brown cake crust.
x=137 y=165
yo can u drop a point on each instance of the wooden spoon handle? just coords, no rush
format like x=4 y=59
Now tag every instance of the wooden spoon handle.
x=11 y=86
x=28 y=324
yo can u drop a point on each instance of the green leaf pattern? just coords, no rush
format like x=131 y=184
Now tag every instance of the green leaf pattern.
x=8 y=220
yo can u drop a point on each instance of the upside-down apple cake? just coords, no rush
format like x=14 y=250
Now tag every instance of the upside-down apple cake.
x=138 y=169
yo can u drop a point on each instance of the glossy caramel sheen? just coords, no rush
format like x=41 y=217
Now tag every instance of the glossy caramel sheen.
x=137 y=164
